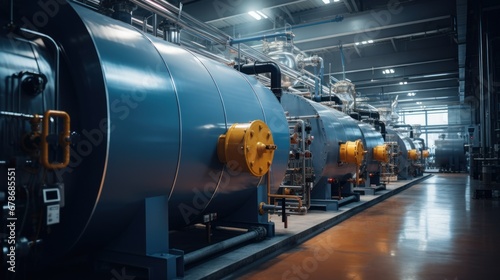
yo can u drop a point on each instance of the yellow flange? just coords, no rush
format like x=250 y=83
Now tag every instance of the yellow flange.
x=248 y=147
x=425 y=153
x=352 y=152
x=381 y=153
x=413 y=154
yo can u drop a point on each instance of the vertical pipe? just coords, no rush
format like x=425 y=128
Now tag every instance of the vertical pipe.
x=155 y=25
x=487 y=102
x=11 y=12
x=481 y=79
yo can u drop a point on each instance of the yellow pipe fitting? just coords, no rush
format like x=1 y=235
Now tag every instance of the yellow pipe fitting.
x=413 y=154
x=249 y=146
x=425 y=153
x=64 y=140
x=381 y=153
x=352 y=152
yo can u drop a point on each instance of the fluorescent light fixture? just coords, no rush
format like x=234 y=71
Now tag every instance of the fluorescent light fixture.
x=327 y=1
x=357 y=43
x=411 y=94
x=334 y=0
x=388 y=71
x=418 y=102
x=370 y=41
x=255 y=15
x=364 y=42
x=261 y=14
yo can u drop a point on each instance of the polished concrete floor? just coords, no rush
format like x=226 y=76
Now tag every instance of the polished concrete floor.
x=436 y=229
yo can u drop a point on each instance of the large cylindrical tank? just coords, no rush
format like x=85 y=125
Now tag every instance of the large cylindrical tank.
x=330 y=129
x=450 y=155
x=149 y=115
x=406 y=149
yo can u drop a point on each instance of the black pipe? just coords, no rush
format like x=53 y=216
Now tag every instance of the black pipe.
x=382 y=128
x=257 y=233
x=265 y=67
x=405 y=125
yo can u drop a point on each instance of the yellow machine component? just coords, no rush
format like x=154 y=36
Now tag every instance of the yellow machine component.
x=64 y=140
x=247 y=146
x=381 y=153
x=425 y=153
x=352 y=152
x=413 y=154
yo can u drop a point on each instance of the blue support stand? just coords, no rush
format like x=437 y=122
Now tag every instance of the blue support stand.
x=145 y=243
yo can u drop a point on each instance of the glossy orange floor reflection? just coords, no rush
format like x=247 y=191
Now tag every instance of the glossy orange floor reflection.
x=434 y=230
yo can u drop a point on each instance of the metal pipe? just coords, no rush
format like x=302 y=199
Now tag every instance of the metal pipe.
x=303 y=117
x=264 y=67
x=294 y=197
x=288 y=35
x=487 y=102
x=383 y=130
x=481 y=80
x=18 y=115
x=254 y=233
x=155 y=25
x=213 y=34
x=11 y=12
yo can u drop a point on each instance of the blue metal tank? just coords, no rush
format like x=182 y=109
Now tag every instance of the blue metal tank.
x=329 y=129
x=149 y=115
x=405 y=146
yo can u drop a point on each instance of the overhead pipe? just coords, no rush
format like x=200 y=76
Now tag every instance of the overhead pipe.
x=210 y=33
x=288 y=35
x=252 y=234
x=266 y=67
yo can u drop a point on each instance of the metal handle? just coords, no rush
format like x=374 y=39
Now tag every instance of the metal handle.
x=64 y=140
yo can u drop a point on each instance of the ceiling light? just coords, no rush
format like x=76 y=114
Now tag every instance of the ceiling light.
x=335 y=0
x=364 y=42
x=357 y=43
x=370 y=41
x=392 y=71
x=411 y=94
x=262 y=14
x=418 y=102
x=255 y=15
x=388 y=71
x=327 y=1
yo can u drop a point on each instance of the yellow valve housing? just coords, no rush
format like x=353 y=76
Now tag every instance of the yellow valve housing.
x=249 y=146
x=413 y=154
x=425 y=153
x=381 y=153
x=352 y=152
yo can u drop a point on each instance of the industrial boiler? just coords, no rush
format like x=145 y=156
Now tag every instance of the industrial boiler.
x=112 y=137
x=340 y=147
